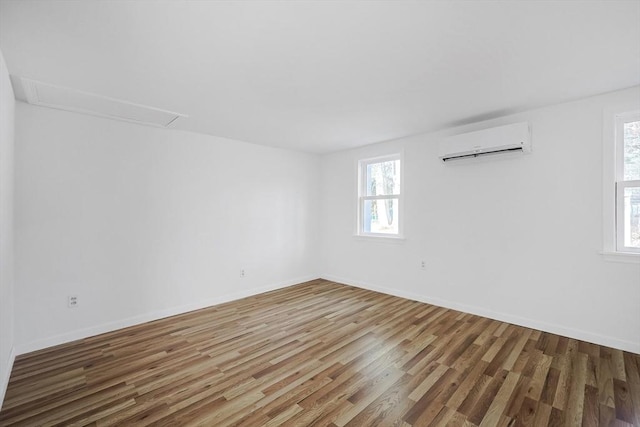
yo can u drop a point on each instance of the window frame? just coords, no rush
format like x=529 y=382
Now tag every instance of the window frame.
x=362 y=196
x=620 y=183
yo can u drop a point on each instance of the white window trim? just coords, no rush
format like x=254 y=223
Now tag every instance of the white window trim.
x=612 y=174
x=360 y=234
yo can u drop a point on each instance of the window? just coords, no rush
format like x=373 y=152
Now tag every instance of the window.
x=627 y=157
x=379 y=197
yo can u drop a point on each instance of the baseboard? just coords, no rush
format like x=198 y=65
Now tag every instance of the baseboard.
x=630 y=346
x=7 y=375
x=149 y=317
x=480 y=311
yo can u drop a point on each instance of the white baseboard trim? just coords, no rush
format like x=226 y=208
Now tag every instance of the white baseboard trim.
x=7 y=375
x=149 y=317
x=633 y=347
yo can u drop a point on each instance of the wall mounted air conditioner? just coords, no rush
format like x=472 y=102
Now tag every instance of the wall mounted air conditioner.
x=514 y=138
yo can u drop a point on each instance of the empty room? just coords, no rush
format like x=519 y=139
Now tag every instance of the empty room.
x=329 y=213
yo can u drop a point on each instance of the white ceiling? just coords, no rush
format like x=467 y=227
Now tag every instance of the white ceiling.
x=327 y=75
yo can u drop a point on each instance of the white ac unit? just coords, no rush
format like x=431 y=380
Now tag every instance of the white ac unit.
x=503 y=139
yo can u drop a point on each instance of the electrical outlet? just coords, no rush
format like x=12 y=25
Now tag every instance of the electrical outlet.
x=72 y=301
x=423 y=265
x=242 y=273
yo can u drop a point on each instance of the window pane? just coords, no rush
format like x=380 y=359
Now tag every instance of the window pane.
x=631 y=217
x=380 y=216
x=383 y=179
x=632 y=150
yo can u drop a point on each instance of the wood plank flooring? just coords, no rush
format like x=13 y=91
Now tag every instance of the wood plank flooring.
x=326 y=354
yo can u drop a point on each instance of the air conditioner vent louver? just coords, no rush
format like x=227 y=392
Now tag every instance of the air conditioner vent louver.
x=463 y=156
x=46 y=95
x=512 y=138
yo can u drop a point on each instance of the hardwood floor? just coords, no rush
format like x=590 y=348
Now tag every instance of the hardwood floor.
x=321 y=353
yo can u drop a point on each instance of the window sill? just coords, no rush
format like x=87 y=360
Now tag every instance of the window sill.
x=627 y=257
x=379 y=239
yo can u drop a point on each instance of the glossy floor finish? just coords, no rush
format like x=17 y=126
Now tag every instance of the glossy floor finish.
x=321 y=353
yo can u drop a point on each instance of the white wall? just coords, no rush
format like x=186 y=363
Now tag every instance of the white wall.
x=140 y=222
x=515 y=239
x=7 y=106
